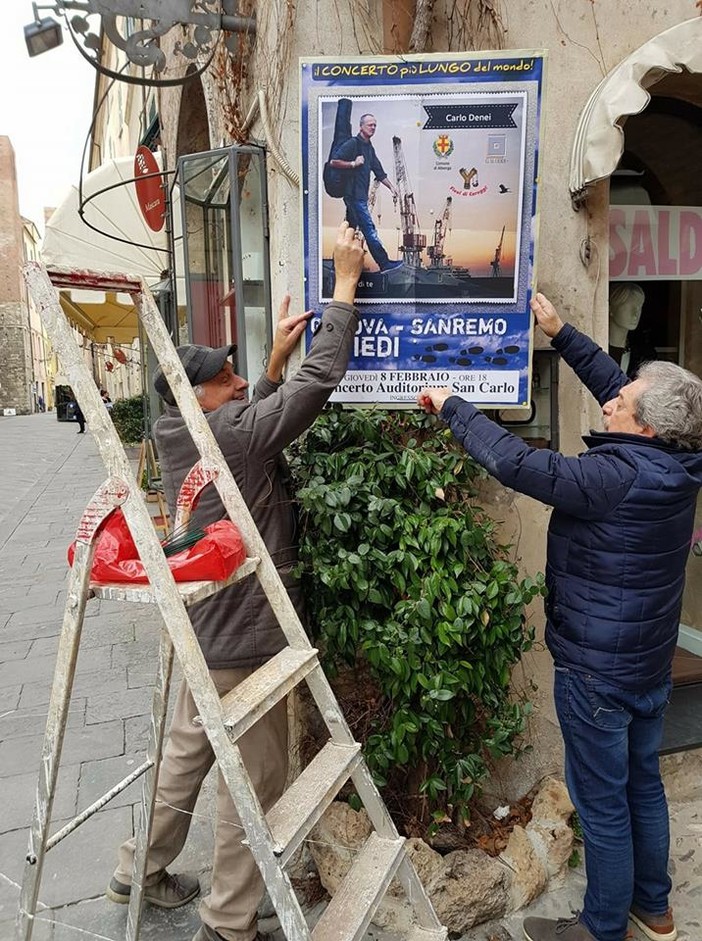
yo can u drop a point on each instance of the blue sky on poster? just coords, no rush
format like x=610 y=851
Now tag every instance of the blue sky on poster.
x=45 y=109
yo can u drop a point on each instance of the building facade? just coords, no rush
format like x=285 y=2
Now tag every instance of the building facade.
x=619 y=192
x=16 y=389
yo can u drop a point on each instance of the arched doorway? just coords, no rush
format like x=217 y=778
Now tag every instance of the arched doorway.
x=643 y=127
x=656 y=171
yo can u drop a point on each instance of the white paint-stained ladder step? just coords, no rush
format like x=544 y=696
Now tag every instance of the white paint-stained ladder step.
x=190 y=592
x=252 y=698
x=349 y=913
x=304 y=802
x=273 y=838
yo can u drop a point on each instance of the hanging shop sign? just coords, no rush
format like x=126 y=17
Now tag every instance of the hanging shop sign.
x=150 y=192
x=434 y=159
x=655 y=243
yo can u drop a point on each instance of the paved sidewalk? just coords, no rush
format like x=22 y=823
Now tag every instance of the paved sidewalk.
x=49 y=473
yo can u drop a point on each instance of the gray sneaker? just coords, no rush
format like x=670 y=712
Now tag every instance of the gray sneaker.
x=171 y=891
x=556 y=929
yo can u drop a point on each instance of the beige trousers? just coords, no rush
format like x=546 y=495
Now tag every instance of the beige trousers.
x=237 y=886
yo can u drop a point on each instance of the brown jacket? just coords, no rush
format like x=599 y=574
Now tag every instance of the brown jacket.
x=236 y=627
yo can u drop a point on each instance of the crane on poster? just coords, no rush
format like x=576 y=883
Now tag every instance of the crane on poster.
x=442 y=225
x=495 y=263
x=413 y=242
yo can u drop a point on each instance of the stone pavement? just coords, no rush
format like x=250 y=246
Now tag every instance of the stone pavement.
x=49 y=473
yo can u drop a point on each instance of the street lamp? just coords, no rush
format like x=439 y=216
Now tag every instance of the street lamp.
x=42 y=34
x=141 y=46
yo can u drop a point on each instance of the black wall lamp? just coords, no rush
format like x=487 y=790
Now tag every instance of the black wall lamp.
x=135 y=26
x=42 y=34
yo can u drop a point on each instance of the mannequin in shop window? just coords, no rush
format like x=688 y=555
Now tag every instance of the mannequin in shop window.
x=625 y=305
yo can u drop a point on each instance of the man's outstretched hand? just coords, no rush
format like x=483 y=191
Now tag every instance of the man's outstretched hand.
x=546 y=315
x=348 y=264
x=432 y=400
x=287 y=336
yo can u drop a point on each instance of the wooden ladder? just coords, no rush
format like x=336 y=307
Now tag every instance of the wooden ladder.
x=272 y=837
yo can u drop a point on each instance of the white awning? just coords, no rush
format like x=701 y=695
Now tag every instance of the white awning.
x=599 y=138
x=134 y=249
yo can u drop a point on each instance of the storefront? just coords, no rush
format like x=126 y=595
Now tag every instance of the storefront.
x=655 y=244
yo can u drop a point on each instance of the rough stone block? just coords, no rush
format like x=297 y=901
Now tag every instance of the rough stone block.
x=552 y=802
x=529 y=874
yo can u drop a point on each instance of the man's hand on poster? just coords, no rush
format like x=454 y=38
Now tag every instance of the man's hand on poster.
x=287 y=336
x=432 y=400
x=546 y=315
x=348 y=263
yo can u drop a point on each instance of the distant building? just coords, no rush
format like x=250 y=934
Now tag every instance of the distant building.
x=16 y=390
x=43 y=361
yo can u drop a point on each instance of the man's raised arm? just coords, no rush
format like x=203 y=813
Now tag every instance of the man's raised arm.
x=596 y=370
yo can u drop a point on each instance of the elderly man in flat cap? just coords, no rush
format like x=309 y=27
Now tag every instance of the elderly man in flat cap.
x=236 y=627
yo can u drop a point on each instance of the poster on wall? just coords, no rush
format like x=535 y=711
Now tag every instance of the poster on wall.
x=434 y=159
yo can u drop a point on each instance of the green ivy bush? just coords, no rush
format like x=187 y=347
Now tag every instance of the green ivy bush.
x=128 y=418
x=406 y=585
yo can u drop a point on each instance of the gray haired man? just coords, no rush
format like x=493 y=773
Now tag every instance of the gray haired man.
x=618 y=542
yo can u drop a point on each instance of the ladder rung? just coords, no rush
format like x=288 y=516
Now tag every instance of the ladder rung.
x=309 y=795
x=258 y=693
x=190 y=592
x=350 y=911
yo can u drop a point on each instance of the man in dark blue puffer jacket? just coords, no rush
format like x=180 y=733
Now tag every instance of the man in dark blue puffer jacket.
x=618 y=542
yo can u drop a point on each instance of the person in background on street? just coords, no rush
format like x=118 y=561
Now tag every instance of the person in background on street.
x=236 y=627
x=618 y=542
x=358 y=155
x=40 y=404
x=75 y=410
x=104 y=395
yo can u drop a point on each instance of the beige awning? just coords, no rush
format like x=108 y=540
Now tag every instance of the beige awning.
x=599 y=138
x=135 y=249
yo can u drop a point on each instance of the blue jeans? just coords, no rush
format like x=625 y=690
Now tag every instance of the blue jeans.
x=612 y=737
x=358 y=215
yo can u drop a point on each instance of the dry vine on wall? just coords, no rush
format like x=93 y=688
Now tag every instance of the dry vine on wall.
x=445 y=25
x=260 y=62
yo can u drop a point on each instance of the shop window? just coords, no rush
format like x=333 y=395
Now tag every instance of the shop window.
x=225 y=253
x=655 y=259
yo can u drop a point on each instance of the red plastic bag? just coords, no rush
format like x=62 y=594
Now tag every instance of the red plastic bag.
x=215 y=557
